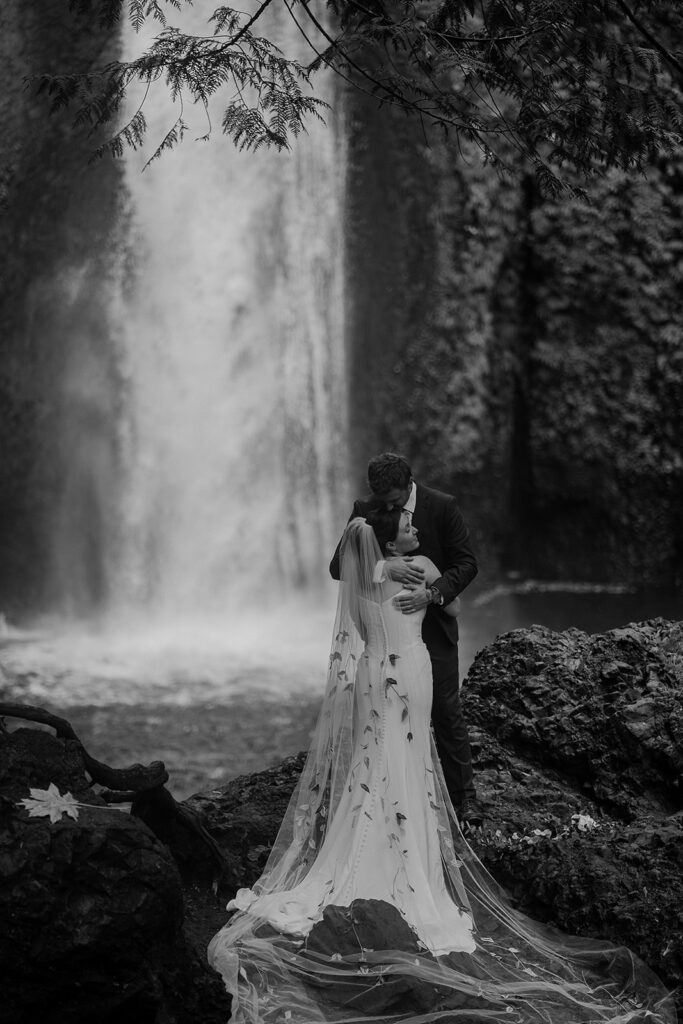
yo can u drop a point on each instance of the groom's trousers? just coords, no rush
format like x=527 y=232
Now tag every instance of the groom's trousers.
x=450 y=731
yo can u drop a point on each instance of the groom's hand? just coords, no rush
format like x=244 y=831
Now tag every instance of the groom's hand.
x=402 y=570
x=412 y=602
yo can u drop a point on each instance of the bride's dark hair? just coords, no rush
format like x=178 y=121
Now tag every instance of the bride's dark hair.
x=385 y=523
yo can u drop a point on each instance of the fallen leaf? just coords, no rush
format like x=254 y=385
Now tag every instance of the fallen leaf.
x=50 y=803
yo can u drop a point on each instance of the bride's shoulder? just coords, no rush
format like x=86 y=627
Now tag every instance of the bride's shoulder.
x=424 y=563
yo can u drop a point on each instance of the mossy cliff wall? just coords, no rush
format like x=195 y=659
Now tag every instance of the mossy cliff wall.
x=57 y=212
x=525 y=353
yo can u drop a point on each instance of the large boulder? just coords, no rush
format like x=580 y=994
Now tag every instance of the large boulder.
x=602 y=712
x=92 y=908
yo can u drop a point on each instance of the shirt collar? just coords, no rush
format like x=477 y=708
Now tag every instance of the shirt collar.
x=412 y=498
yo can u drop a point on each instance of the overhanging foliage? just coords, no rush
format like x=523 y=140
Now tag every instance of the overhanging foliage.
x=577 y=85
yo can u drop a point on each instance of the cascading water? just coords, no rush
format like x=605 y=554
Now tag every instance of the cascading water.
x=228 y=332
x=232 y=425
x=216 y=388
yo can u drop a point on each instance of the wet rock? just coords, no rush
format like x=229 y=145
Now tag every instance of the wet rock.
x=356 y=935
x=92 y=908
x=605 y=712
x=366 y=924
x=244 y=818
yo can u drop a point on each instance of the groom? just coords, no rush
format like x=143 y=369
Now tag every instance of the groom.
x=445 y=539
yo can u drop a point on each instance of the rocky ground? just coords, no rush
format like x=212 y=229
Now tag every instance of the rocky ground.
x=578 y=743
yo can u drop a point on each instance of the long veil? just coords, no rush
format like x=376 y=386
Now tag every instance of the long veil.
x=335 y=968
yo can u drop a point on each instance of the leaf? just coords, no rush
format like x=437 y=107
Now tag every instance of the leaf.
x=400 y=818
x=363 y=786
x=50 y=803
x=393 y=658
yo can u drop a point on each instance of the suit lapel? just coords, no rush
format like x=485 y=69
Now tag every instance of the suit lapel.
x=421 y=513
x=423 y=520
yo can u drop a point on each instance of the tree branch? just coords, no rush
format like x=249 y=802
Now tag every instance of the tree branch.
x=645 y=32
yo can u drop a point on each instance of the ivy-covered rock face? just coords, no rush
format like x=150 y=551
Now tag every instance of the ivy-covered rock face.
x=523 y=352
x=606 y=382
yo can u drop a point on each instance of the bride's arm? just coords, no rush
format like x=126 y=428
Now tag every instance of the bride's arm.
x=432 y=573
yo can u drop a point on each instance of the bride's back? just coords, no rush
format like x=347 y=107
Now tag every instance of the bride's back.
x=386 y=629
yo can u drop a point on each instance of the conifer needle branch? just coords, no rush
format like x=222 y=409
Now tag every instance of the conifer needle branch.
x=391 y=93
x=651 y=38
x=319 y=55
x=245 y=28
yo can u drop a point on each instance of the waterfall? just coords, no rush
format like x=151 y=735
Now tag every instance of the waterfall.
x=230 y=479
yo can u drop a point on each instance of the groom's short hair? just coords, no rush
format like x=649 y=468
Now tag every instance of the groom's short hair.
x=387 y=471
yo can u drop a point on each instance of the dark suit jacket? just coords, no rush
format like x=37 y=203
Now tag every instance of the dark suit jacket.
x=445 y=539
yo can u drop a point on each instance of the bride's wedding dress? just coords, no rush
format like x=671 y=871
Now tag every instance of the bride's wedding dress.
x=390 y=833
x=371 y=820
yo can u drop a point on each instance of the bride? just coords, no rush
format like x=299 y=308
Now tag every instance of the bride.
x=370 y=855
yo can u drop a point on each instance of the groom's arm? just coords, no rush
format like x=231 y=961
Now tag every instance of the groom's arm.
x=458 y=557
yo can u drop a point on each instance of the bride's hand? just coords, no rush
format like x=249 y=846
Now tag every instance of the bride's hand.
x=401 y=570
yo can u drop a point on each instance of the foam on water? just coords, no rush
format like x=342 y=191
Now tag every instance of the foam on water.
x=179 y=661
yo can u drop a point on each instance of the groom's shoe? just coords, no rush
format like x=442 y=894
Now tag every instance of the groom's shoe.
x=470 y=813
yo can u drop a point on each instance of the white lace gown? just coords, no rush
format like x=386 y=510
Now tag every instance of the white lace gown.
x=389 y=835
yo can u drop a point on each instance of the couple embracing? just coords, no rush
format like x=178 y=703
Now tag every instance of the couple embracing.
x=372 y=905
x=432 y=524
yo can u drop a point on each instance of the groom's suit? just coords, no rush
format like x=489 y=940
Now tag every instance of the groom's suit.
x=445 y=539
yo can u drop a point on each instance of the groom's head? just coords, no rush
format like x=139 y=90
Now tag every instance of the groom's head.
x=390 y=479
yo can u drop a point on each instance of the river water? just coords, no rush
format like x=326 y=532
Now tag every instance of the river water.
x=215 y=700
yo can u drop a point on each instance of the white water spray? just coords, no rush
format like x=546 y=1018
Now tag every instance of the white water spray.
x=216 y=386
x=233 y=414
